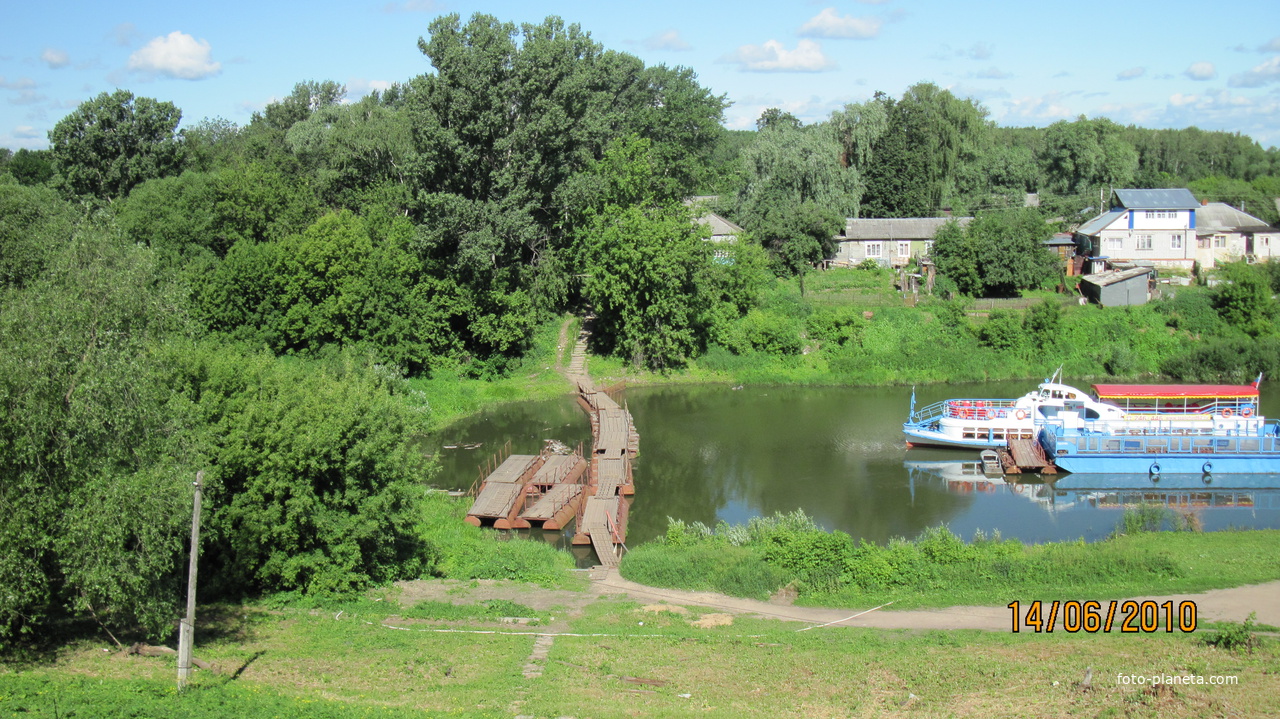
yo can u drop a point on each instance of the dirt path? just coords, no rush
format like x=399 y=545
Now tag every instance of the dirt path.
x=1216 y=605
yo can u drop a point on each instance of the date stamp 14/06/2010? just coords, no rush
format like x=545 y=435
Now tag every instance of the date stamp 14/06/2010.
x=1128 y=616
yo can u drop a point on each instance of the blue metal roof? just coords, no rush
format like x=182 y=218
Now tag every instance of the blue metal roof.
x=1169 y=199
x=1094 y=226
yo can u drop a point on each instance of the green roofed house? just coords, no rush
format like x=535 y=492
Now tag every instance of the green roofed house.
x=892 y=242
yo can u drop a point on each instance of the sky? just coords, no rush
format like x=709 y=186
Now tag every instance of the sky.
x=1168 y=64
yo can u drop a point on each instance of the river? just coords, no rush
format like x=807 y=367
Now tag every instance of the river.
x=710 y=453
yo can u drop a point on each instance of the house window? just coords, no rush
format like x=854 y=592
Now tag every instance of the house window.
x=1115 y=244
x=1143 y=241
x=928 y=248
x=1203 y=243
x=1175 y=241
x=1161 y=214
x=874 y=249
x=1219 y=240
x=904 y=249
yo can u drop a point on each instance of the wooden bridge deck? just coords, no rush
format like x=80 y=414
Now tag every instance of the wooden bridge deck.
x=502 y=489
x=555 y=499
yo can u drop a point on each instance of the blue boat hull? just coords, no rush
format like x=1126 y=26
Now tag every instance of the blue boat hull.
x=1168 y=464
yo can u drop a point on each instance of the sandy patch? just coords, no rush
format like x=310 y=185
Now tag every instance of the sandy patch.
x=708 y=621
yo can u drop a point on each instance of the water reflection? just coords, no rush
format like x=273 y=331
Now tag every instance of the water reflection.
x=710 y=453
x=1216 y=501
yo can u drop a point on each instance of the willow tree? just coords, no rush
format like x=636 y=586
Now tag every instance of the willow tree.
x=929 y=134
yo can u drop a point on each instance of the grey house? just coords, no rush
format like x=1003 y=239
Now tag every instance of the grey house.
x=890 y=241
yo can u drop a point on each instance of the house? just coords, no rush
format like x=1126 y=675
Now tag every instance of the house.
x=722 y=230
x=1149 y=227
x=892 y=242
x=1230 y=234
x=1118 y=287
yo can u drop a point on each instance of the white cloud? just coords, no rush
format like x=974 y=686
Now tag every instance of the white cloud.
x=22 y=83
x=177 y=55
x=832 y=25
x=28 y=97
x=981 y=94
x=979 y=51
x=1045 y=108
x=669 y=40
x=991 y=73
x=1267 y=72
x=773 y=57
x=1131 y=73
x=124 y=34
x=1201 y=71
x=55 y=58
x=413 y=6
x=26 y=132
x=358 y=87
x=1273 y=45
x=1224 y=110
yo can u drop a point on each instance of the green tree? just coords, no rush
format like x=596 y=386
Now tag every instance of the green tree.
x=97 y=450
x=317 y=474
x=998 y=253
x=647 y=269
x=30 y=167
x=797 y=193
x=918 y=156
x=114 y=142
x=34 y=223
x=1244 y=299
x=1086 y=154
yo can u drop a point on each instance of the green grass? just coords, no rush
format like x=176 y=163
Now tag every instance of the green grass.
x=451 y=396
x=939 y=570
x=294 y=662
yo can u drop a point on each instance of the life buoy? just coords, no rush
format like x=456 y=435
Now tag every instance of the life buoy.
x=1246 y=412
x=1227 y=412
x=1021 y=414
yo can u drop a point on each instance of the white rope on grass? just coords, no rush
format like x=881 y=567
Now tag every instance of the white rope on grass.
x=819 y=626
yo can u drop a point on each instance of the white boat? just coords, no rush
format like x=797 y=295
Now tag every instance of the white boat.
x=1112 y=409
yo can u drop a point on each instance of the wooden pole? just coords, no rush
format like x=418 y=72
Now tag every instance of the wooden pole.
x=186 y=630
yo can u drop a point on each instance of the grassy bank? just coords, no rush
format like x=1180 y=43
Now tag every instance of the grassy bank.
x=662 y=660
x=852 y=327
x=450 y=395
x=939 y=569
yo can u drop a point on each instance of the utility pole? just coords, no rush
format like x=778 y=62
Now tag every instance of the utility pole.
x=186 y=629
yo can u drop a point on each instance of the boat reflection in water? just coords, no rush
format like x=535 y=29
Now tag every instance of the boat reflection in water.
x=1188 y=492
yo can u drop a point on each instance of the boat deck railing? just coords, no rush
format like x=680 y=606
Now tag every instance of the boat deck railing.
x=1263 y=443
x=1224 y=408
x=967 y=409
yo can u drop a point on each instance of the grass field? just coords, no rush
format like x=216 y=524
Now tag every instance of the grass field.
x=643 y=661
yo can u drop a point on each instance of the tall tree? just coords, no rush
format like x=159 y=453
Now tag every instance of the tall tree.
x=1085 y=155
x=114 y=142
x=917 y=157
x=796 y=190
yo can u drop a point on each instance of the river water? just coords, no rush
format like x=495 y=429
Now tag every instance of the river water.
x=710 y=453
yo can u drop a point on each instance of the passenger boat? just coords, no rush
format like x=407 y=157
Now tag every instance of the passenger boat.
x=1113 y=409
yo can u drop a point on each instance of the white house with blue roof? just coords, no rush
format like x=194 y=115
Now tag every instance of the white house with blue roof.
x=1149 y=227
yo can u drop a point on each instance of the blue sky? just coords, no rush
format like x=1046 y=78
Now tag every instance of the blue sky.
x=1155 y=64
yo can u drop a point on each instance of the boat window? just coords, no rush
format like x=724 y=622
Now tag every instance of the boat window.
x=1091 y=413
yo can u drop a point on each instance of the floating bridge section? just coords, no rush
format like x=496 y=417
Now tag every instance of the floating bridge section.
x=602 y=522
x=548 y=490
